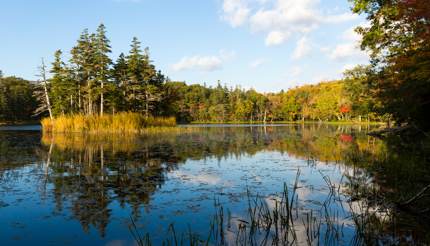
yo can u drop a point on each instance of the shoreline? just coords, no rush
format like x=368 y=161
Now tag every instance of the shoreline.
x=374 y=123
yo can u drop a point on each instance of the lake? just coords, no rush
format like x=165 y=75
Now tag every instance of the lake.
x=248 y=185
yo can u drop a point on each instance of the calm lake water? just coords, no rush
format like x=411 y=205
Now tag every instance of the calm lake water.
x=88 y=190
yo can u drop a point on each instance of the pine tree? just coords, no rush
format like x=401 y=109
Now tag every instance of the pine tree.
x=102 y=61
x=120 y=76
x=83 y=61
x=61 y=86
x=135 y=61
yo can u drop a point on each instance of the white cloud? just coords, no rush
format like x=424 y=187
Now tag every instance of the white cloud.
x=350 y=48
x=235 y=12
x=278 y=19
x=303 y=48
x=351 y=35
x=257 y=63
x=203 y=63
x=345 y=51
x=340 y=18
x=276 y=38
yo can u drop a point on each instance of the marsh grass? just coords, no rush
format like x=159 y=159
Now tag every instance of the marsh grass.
x=279 y=220
x=118 y=123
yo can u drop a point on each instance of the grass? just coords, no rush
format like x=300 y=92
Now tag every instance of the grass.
x=118 y=123
x=282 y=222
x=286 y=222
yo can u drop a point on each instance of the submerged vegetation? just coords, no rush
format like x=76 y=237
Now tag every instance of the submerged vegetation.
x=117 y=123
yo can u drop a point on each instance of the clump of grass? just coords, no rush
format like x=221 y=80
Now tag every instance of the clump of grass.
x=263 y=224
x=118 y=123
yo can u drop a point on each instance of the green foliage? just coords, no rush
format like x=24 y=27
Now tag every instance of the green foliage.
x=220 y=104
x=16 y=99
x=398 y=40
x=91 y=83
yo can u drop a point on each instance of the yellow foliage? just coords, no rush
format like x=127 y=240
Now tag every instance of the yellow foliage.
x=118 y=123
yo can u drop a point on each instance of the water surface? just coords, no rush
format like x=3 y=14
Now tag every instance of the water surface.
x=87 y=190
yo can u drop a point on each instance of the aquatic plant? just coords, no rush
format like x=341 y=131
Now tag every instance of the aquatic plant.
x=274 y=220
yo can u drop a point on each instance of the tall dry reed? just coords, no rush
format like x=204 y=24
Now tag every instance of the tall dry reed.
x=118 y=123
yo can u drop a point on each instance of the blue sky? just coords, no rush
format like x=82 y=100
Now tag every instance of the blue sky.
x=268 y=45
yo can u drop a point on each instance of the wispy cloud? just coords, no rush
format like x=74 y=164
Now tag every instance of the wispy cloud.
x=236 y=12
x=349 y=48
x=278 y=19
x=302 y=49
x=205 y=63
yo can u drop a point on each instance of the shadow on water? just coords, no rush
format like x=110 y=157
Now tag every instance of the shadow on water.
x=351 y=189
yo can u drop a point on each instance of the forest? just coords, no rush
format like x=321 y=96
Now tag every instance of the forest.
x=343 y=100
x=92 y=84
x=394 y=87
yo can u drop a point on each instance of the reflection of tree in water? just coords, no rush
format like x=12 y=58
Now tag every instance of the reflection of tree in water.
x=91 y=172
x=386 y=190
x=17 y=148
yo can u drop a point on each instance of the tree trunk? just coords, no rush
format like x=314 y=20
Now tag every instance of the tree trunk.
x=90 y=106
x=79 y=97
x=45 y=87
x=71 y=103
x=146 y=104
x=101 y=99
x=265 y=116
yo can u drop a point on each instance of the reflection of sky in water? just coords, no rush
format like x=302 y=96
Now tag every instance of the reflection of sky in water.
x=29 y=215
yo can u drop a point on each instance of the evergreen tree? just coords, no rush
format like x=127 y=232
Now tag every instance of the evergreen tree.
x=121 y=79
x=83 y=67
x=135 y=61
x=102 y=62
x=62 y=87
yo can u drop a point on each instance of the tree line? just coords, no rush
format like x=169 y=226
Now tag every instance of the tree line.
x=395 y=86
x=342 y=100
x=91 y=83
x=16 y=99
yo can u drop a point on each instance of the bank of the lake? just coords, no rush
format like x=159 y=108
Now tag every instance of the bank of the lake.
x=372 y=123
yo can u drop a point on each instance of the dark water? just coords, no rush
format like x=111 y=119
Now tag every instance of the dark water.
x=87 y=190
